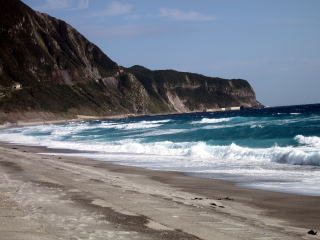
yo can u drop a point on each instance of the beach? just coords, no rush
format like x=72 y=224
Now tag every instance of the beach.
x=58 y=197
x=193 y=121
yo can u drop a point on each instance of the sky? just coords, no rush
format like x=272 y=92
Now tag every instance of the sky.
x=274 y=44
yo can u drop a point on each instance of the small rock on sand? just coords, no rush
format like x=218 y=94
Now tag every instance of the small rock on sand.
x=311 y=232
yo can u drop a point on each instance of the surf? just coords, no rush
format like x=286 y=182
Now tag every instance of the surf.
x=228 y=144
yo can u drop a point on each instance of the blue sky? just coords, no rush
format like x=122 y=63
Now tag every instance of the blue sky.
x=274 y=44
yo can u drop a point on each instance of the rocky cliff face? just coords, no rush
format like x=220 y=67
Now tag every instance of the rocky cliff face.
x=48 y=68
x=183 y=92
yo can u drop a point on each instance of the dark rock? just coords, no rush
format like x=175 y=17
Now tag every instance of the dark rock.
x=226 y=198
x=196 y=198
x=229 y=199
x=311 y=232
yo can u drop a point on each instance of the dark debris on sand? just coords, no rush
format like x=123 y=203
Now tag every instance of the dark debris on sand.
x=312 y=232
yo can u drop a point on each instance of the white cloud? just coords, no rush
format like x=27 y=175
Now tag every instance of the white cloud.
x=124 y=31
x=83 y=4
x=114 y=9
x=132 y=30
x=117 y=8
x=134 y=17
x=177 y=14
x=54 y=5
x=64 y=5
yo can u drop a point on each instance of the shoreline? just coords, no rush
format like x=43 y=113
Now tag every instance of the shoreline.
x=4 y=123
x=228 y=186
x=20 y=123
x=200 y=208
x=80 y=118
x=68 y=153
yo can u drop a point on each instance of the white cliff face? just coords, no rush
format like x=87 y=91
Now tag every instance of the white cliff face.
x=176 y=103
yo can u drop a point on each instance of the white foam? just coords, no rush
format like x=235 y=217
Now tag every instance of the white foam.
x=254 y=167
x=211 y=120
x=312 y=141
x=297 y=157
x=134 y=125
x=20 y=139
x=256 y=126
x=290 y=162
x=196 y=152
x=163 y=132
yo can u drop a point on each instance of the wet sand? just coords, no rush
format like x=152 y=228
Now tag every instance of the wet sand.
x=28 y=119
x=57 y=197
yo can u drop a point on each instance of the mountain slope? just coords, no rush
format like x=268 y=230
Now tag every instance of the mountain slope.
x=49 y=70
x=185 y=92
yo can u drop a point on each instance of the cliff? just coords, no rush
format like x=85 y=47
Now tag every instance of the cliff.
x=48 y=70
x=184 y=92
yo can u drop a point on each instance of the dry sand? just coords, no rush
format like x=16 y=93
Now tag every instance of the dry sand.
x=51 y=197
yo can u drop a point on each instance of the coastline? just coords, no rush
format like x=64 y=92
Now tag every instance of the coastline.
x=79 y=118
x=33 y=122
x=132 y=201
x=5 y=123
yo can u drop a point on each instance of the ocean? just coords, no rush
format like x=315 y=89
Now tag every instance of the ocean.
x=275 y=149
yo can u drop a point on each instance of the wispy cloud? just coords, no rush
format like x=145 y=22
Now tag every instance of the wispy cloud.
x=114 y=9
x=54 y=5
x=127 y=31
x=179 y=15
x=83 y=4
x=64 y=5
x=133 y=31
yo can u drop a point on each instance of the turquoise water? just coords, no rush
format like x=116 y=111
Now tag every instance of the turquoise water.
x=272 y=148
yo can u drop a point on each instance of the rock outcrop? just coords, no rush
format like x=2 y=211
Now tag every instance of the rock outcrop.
x=49 y=70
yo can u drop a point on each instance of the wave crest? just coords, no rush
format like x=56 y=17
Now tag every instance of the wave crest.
x=307 y=153
x=312 y=141
x=211 y=120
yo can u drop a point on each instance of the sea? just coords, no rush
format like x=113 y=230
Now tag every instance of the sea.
x=275 y=148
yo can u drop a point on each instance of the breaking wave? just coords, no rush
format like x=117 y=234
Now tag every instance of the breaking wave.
x=234 y=154
x=134 y=125
x=309 y=141
x=285 y=143
x=195 y=152
x=211 y=120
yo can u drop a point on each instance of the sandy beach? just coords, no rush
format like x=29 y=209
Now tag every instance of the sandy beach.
x=56 y=197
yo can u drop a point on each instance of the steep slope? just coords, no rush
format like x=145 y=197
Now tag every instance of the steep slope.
x=49 y=70
x=59 y=70
x=182 y=91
